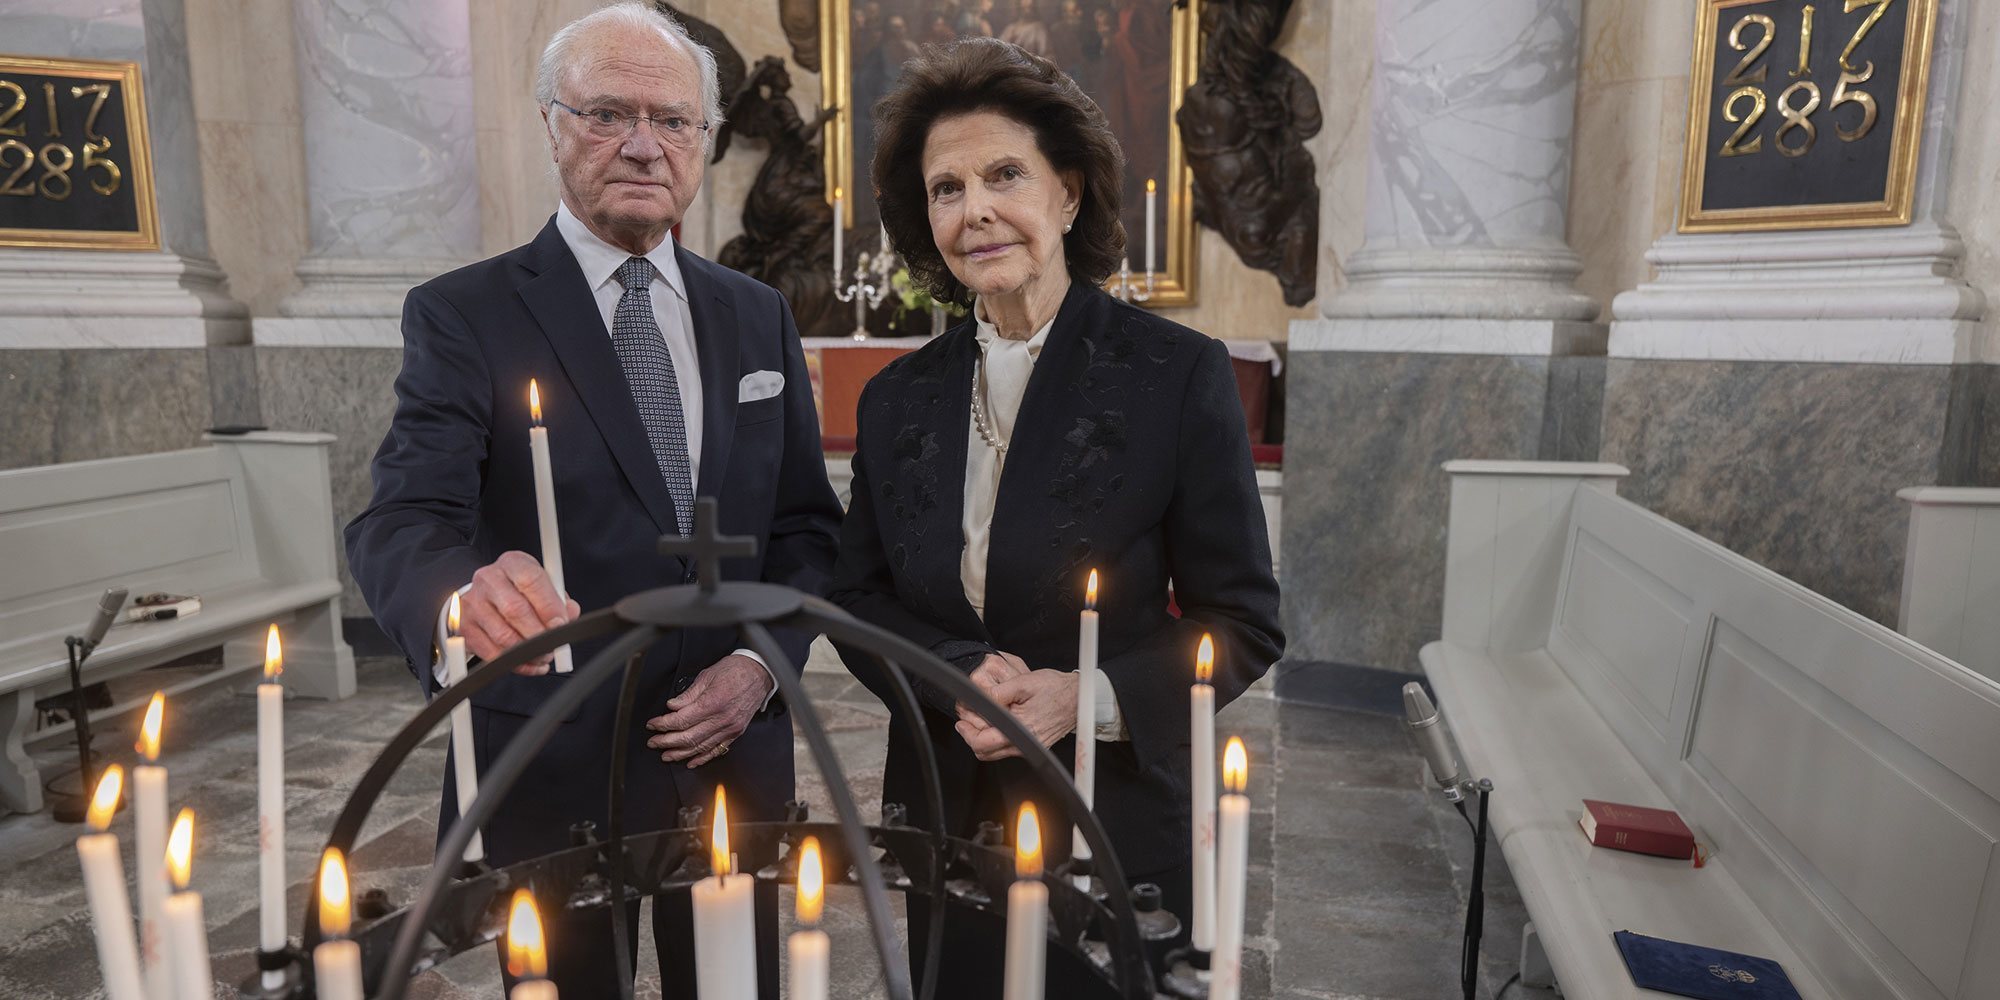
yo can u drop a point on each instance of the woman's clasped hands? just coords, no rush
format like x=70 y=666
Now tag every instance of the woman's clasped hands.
x=1042 y=700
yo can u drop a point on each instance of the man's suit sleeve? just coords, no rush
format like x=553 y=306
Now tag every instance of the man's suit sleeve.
x=805 y=518
x=411 y=547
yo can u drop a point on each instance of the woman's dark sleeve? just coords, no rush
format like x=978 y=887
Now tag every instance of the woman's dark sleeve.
x=1220 y=557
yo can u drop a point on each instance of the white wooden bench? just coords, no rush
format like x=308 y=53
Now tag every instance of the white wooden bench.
x=1951 y=574
x=1846 y=777
x=246 y=524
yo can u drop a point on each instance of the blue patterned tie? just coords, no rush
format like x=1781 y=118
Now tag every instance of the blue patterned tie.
x=649 y=370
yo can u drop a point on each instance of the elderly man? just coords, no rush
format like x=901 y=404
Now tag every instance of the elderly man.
x=663 y=377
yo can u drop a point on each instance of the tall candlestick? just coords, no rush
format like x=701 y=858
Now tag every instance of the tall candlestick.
x=465 y=765
x=545 y=510
x=809 y=948
x=725 y=931
x=104 y=886
x=1086 y=718
x=527 y=951
x=1201 y=729
x=839 y=239
x=336 y=960
x=1027 y=911
x=1231 y=883
x=186 y=935
x=1150 y=208
x=271 y=806
x=149 y=838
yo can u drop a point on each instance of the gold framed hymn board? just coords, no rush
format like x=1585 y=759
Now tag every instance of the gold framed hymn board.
x=1805 y=114
x=75 y=165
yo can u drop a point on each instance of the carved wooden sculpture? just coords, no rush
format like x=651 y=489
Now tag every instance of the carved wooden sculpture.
x=800 y=19
x=787 y=239
x=1244 y=124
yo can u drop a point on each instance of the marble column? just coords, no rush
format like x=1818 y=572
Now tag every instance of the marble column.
x=392 y=184
x=1459 y=332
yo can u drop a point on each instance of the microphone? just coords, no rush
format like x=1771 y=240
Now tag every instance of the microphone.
x=107 y=609
x=1422 y=718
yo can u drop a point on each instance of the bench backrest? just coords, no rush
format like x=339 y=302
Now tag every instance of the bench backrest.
x=177 y=521
x=1847 y=776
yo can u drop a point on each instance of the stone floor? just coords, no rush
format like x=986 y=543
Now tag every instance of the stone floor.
x=1358 y=875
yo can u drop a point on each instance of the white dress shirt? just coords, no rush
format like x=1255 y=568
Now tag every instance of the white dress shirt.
x=1005 y=368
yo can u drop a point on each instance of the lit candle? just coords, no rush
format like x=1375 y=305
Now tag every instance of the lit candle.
x=271 y=806
x=149 y=838
x=1027 y=911
x=809 y=947
x=725 y=931
x=336 y=960
x=1201 y=730
x=1227 y=978
x=527 y=952
x=465 y=766
x=1086 y=717
x=187 y=936
x=545 y=509
x=104 y=886
x=1151 y=199
x=839 y=238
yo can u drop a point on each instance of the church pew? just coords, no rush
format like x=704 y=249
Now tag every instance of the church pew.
x=1845 y=778
x=245 y=523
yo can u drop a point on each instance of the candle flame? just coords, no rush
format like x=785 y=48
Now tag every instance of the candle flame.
x=104 y=802
x=836 y=194
x=336 y=905
x=812 y=883
x=1204 y=660
x=149 y=731
x=527 y=955
x=451 y=617
x=1149 y=185
x=1235 y=767
x=719 y=846
x=180 y=849
x=1027 y=844
x=1090 y=592
x=535 y=402
x=274 y=655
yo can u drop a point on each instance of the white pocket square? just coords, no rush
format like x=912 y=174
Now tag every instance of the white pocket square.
x=759 y=385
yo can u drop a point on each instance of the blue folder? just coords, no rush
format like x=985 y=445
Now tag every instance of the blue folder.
x=1703 y=973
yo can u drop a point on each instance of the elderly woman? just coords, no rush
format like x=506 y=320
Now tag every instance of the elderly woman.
x=1055 y=431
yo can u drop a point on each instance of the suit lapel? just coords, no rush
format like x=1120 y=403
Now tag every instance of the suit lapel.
x=562 y=304
x=716 y=338
x=941 y=405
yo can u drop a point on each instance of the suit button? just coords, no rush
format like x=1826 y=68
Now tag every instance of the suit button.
x=688 y=577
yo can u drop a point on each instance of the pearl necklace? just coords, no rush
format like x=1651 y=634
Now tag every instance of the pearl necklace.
x=987 y=432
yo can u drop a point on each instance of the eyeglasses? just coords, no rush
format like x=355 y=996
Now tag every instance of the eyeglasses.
x=604 y=123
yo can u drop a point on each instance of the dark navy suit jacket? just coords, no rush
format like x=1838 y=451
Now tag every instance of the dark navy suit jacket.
x=454 y=489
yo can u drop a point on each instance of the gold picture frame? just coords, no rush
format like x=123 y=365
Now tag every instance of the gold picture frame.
x=1174 y=284
x=1894 y=207
x=137 y=171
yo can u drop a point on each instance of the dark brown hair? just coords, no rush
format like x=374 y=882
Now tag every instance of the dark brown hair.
x=986 y=74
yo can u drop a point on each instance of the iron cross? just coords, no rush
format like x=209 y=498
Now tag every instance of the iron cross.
x=706 y=546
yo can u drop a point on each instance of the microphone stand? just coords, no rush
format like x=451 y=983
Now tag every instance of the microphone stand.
x=1475 y=906
x=72 y=809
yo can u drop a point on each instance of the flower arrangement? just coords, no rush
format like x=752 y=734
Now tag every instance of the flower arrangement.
x=912 y=299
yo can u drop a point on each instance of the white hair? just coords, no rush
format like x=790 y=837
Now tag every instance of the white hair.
x=560 y=52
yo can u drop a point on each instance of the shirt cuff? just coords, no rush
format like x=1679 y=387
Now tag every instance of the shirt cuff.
x=773 y=693
x=1110 y=719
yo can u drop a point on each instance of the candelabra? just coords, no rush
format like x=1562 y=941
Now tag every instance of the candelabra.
x=1120 y=934
x=1128 y=291
x=869 y=287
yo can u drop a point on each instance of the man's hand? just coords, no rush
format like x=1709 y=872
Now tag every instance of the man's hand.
x=701 y=722
x=511 y=600
x=1043 y=700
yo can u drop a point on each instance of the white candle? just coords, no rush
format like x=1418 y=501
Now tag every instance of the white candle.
x=104 y=887
x=1227 y=976
x=545 y=510
x=465 y=766
x=839 y=238
x=809 y=949
x=186 y=935
x=885 y=238
x=271 y=806
x=527 y=951
x=1151 y=199
x=336 y=960
x=1086 y=717
x=725 y=931
x=149 y=838
x=1027 y=912
x=1201 y=729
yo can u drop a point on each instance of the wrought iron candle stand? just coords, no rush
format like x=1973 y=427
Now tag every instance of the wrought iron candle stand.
x=869 y=287
x=1120 y=934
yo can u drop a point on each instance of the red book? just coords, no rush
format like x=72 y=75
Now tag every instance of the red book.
x=1637 y=829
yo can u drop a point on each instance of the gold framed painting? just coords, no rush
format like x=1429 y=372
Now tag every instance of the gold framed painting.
x=1134 y=57
x=1805 y=115
x=76 y=167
